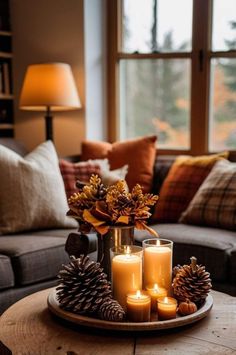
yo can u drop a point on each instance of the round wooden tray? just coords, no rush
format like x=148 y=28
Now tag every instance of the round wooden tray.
x=202 y=312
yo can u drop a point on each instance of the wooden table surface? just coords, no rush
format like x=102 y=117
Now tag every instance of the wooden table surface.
x=28 y=327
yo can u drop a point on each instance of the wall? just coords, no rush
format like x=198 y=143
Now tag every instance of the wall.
x=49 y=31
x=95 y=67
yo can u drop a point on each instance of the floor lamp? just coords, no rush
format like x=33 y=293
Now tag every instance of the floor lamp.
x=49 y=87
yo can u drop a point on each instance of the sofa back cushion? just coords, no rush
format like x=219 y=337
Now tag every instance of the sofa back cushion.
x=182 y=182
x=32 y=192
x=214 y=204
x=138 y=153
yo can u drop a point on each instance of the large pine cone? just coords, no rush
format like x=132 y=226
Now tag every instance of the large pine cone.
x=84 y=289
x=82 y=286
x=191 y=282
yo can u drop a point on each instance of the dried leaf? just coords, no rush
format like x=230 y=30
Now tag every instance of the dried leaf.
x=102 y=229
x=123 y=219
x=143 y=226
x=89 y=218
x=100 y=212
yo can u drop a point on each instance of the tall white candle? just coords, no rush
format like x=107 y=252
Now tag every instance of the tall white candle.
x=126 y=276
x=158 y=266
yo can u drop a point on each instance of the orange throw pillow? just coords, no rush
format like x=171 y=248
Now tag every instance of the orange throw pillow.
x=138 y=153
x=182 y=182
x=95 y=150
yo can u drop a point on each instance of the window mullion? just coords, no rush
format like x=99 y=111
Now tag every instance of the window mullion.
x=112 y=69
x=200 y=76
x=170 y=55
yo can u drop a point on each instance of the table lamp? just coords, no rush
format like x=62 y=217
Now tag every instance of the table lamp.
x=49 y=87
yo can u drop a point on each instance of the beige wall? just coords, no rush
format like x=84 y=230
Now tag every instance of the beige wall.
x=49 y=31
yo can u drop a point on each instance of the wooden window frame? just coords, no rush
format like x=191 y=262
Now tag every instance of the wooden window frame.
x=200 y=56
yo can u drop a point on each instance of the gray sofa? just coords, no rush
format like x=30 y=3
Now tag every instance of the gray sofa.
x=30 y=261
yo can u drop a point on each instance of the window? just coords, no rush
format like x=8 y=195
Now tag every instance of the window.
x=172 y=72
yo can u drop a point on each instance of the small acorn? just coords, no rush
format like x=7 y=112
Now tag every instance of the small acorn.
x=187 y=307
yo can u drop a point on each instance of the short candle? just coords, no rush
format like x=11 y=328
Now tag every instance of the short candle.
x=138 y=307
x=166 y=308
x=126 y=276
x=155 y=292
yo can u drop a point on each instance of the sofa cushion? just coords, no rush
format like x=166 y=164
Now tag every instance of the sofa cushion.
x=86 y=243
x=181 y=184
x=35 y=257
x=6 y=273
x=211 y=246
x=214 y=204
x=32 y=191
x=138 y=153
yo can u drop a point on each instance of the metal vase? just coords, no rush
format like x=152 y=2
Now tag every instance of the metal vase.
x=115 y=237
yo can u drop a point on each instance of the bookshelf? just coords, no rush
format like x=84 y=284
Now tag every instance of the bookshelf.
x=6 y=87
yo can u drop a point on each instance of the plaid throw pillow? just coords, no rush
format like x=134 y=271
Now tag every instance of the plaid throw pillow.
x=215 y=202
x=181 y=184
x=76 y=171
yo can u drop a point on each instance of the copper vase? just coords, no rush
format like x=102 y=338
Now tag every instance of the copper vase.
x=115 y=237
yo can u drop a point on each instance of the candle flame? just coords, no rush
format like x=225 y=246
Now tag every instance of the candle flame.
x=138 y=294
x=156 y=288
x=127 y=250
x=166 y=300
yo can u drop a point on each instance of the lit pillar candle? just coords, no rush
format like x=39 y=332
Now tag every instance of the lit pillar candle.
x=126 y=275
x=158 y=263
x=156 y=292
x=166 y=308
x=138 y=307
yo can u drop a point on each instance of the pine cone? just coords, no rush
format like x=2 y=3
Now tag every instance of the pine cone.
x=191 y=282
x=176 y=269
x=111 y=310
x=83 y=286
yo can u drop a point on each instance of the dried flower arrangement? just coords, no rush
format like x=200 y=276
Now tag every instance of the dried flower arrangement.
x=99 y=207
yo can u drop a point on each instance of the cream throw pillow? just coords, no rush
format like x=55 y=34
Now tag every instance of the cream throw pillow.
x=110 y=177
x=32 y=194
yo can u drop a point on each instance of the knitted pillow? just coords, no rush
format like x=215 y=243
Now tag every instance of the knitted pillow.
x=214 y=204
x=76 y=171
x=181 y=184
x=138 y=153
x=32 y=192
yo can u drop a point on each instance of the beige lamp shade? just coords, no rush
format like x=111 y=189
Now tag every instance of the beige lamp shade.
x=49 y=86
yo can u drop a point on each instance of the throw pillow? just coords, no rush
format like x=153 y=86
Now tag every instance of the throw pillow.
x=32 y=192
x=94 y=150
x=108 y=176
x=138 y=153
x=76 y=171
x=103 y=163
x=181 y=184
x=214 y=204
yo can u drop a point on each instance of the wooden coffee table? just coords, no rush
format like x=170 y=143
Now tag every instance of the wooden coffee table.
x=28 y=327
